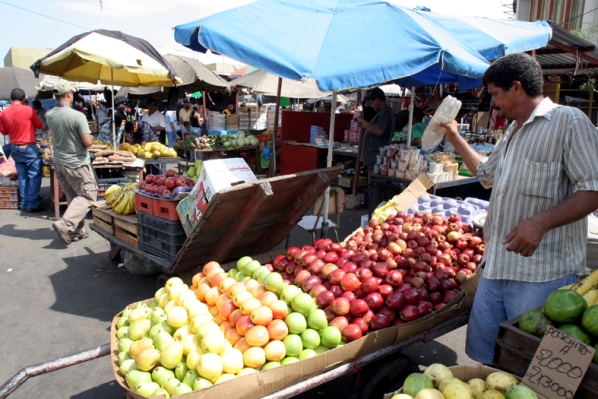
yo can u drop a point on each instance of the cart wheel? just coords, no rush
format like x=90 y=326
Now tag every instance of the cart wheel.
x=384 y=376
x=162 y=278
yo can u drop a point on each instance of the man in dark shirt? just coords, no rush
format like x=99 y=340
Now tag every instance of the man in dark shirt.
x=379 y=131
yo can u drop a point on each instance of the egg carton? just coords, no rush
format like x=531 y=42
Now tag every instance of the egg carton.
x=440 y=177
x=467 y=209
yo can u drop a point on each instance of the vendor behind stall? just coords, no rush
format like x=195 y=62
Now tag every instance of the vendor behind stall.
x=106 y=130
x=544 y=175
x=139 y=132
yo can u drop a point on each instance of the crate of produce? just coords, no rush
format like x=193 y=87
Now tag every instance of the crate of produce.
x=125 y=228
x=144 y=204
x=104 y=184
x=160 y=237
x=165 y=209
x=9 y=198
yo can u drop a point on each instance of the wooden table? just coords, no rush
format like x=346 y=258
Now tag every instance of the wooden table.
x=55 y=193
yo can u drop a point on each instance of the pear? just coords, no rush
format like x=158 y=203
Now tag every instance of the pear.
x=190 y=342
x=139 y=314
x=171 y=304
x=124 y=344
x=147 y=388
x=139 y=329
x=122 y=356
x=161 y=391
x=161 y=375
x=181 y=389
x=173 y=281
x=126 y=366
x=190 y=377
x=162 y=340
x=146 y=359
x=163 y=326
x=172 y=355
x=197 y=309
x=181 y=333
x=170 y=384
x=155 y=315
x=193 y=358
x=180 y=371
x=122 y=332
x=163 y=300
x=177 y=316
x=198 y=321
x=185 y=294
x=140 y=345
x=201 y=383
x=126 y=312
x=159 y=293
x=122 y=322
x=205 y=328
x=135 y=377
x=153 y=304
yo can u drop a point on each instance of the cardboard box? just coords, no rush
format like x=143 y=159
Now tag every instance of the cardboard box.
x=216 y=175
x=347 y=181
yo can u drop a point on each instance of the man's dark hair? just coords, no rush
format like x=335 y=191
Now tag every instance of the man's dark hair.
x=118 y=120
x=377 y=93
x=151 y=101
x=17 y=94
x=129 y=126
x=503 y=72
x=37 y=103
x=418 y=114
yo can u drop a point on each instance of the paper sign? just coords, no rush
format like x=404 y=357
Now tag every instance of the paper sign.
x=558 y=366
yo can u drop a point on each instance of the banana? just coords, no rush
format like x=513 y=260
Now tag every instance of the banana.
x=591 y=296
x=583 y=286
x=566 y=287
x=121 y=203
x=110 y=190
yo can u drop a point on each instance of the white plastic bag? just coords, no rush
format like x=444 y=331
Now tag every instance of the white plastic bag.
x=446 y=113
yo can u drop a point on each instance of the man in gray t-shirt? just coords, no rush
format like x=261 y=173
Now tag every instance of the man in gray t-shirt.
x=71 y=137
x=379 y=131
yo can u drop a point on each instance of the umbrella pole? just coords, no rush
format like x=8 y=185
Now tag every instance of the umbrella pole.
x=411 y=106
x=113 y=111
x=326 y=203
x=403 y=98
x=276 y=118
x=361 y=133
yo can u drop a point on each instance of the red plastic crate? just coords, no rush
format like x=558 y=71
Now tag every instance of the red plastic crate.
x=144 y=204
x=165 y=209
x=9 y=198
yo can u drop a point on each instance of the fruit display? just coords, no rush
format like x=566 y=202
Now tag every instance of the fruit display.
x=225 y=325
x=386 y=274
x=438 y=382
x=121 y=198
x=194 y=171
x=240 y=139
x=151 y=150
x=572 y=309
x=267 y=136
x=166 y=185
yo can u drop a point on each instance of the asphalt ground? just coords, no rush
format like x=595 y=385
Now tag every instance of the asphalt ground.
x=59 y=300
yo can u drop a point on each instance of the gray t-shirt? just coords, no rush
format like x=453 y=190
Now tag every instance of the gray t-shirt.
x=67 y=126
x=385 y=120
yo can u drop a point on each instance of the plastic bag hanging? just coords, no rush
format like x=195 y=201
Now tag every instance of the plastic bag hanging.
x=446 y=113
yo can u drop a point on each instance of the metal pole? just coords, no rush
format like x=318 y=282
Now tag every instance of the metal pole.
x=113 y=111
x=411 y=106
x=276 y=119
x=326 y=203
x=360 y=143
x=205 y=113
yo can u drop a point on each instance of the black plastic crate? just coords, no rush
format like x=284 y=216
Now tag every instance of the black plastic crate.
x=104 y=184
x=160 y=237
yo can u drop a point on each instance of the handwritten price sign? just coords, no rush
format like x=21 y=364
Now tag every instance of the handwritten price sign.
x=558 y=366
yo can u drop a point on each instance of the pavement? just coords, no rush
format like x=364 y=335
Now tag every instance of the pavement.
x=60 y=300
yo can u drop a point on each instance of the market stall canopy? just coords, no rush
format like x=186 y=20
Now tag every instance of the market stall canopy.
x=222 y=68
x=50 y=81
x=333 y=41
x=394 y=90
x=13 y=78
x=264 y=82
x=110 y=57
x=244 y=70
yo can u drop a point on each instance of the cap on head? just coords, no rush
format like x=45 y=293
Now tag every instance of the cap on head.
x=17 y=94
x=61 y=88
x=376 y=93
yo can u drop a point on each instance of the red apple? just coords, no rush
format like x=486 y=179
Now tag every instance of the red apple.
x=350 y=282
x=324 y=298
x=359 y=307
x=411 y=296
x=361 y=323
x=336 y=276
x=395 y=300
x=374 y=300
x=339 y=322
x=349 y=295
x=340 y=306
x=394 y=278
x=336 y=290
x=369 y=285
x=385 y=290
x=409 y=313
x=379 y=321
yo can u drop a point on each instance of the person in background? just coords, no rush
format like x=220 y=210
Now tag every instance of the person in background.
x=71 y=139
x=172 y=127
x=544 y=179
x=155 y=119
x=196 y=121
x=379 y=131
x=105 y=134
x=418 y=128
x=468 y=118
x=184 y=115
x=230 y=109
x=19 y=122
x=41 y=114
x=140 y=133
x=339 y=108
x=102 y=113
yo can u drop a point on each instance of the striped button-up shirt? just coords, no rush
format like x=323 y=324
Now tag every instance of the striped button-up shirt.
x=553 y=155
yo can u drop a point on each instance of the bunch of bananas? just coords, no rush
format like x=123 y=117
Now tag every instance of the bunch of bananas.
x=588 y=288
x=121 y=198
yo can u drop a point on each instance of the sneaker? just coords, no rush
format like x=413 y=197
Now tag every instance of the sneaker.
x=81 y=236
x=35 y=210
x=61 y=234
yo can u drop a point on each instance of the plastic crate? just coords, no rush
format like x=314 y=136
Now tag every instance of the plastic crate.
x=166 y=209
x=9 y=198
x=144 y=204
x=160 y=237
x=104 y=184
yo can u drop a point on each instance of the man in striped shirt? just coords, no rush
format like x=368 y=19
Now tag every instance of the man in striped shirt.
x=544 y=176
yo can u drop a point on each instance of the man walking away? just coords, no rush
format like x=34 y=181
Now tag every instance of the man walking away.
x=19 y=122
x=72 y=137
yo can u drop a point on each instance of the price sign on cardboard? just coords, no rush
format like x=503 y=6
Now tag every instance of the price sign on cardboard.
x=558 y=366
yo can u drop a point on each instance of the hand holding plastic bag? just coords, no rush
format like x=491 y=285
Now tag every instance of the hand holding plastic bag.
x=7 y=168
x=446 y=113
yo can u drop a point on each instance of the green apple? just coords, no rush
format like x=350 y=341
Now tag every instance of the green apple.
x=232 y=272
x=147 y=388
x=135 y=377
x=181 y=370
x=153 y=303
x=124 y=344
x=147 y=358
x=161 y=375
x=162 y=340
x=181 y=389
x=161 y=391
x=306 y=354
x=262 y=275
x=170 y=384
x=293 y=344
x=274 y=282
x=270 y=365
x=139 y=329
x=250 y=267
x=321 y=349
x=122 y=356
x=245 y=278
x=162 y=326
x=289 y=292
x=258 y=271
x=303 y=303
x=241 y=263
x=201 y=383
x=330 y=337
x=122 y=332
x=173 y=281
x=122 y=322
x=288 y=360
x=310 y=339
x=317 y=320
x=190 y=377
x=240 y=276
x=127 y=365
x=172 y=355
x=296 y=323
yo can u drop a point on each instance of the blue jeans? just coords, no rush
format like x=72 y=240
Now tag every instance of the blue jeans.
x=500 y=300
x=29 y=168
x=171 y=138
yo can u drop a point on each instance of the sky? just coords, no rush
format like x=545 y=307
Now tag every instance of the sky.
x=153 y=20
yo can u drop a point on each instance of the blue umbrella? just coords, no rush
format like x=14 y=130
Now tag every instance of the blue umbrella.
x=340 y=43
